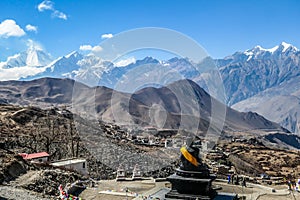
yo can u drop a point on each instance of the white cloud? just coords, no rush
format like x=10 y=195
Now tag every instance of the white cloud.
x=32 y=28
x=97 y=49
x=90 y=48
x=49 y=5
x=46 y=5
x=19 y=72
x=9 y=28
x=106 y=36
x=125 y=62
x=59 y=14
x=85 y=47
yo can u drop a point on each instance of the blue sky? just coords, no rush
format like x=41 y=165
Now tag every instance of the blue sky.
x=220 y=26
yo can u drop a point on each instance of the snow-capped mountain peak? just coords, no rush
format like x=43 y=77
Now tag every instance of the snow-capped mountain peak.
x=89 y=61
x=258 y=49
x=73 y=54
x=287 y=46
x=260 y=52
x=37 y=57
x=32 y=57
x=282 y=47
x=65 y=64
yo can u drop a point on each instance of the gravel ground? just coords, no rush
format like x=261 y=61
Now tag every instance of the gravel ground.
x=259 y=192
x=12 y=193
x=135 y=186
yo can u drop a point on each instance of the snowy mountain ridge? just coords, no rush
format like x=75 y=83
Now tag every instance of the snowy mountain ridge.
x=252 y=78
x=265 y=81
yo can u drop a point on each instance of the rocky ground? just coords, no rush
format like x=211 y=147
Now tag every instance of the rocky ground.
x=11 y=166
x=30 y=130
x=39 y=184
x=254 y=158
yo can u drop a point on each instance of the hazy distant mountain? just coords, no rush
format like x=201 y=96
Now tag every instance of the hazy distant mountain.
x=24 y=64
x=180 y=104
x=93 y=71
x=84 y=68
x=280 y=104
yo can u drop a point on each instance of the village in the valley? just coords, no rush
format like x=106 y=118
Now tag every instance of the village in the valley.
x=231 y=173
x=150 y=100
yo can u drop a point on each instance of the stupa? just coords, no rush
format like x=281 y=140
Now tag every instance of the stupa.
x=192 y=179
x=121 y=174
x=136 y=174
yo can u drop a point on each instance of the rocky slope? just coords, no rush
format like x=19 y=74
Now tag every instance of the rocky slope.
x=11 y=166
x=256 y=158
x=30 y=129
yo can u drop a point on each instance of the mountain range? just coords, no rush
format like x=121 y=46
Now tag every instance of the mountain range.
x=247 y=73
x=265 y=81
x=258 y=80
x=182 y=104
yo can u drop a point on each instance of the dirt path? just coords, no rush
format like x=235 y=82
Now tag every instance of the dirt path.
x=26 y=178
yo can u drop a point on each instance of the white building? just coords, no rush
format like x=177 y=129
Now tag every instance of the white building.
x=77 y=164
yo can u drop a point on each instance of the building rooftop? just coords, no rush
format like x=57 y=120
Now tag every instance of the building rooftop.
x=68 y=162
x=34 y=155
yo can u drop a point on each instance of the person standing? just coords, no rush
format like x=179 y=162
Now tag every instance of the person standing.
x=290 y=185
x=237 y=180
x=244 y=181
